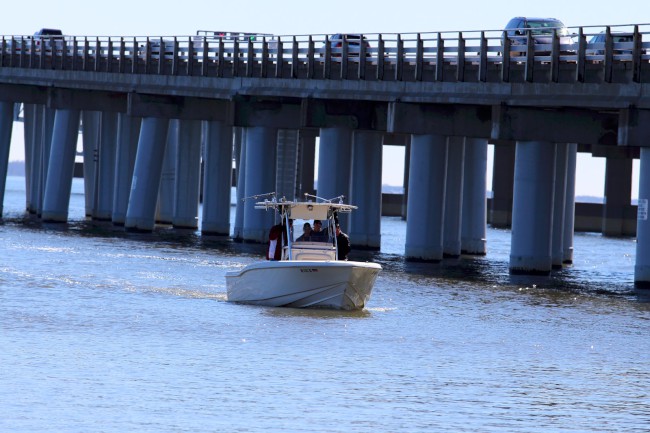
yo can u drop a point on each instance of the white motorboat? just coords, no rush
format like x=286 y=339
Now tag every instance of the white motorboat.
x=309 y=274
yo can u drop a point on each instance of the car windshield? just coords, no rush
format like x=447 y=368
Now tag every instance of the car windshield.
x=545 y=27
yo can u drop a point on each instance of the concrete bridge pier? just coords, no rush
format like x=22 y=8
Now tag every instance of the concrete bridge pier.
x=238 y=229
x=56 y=200
x=6 y=126
x=217 y=178
x=105 y=185
x=42 y=139
x=141 y=212
x=502 y=193
x=426 y=200
x=261 y=143
x=642 y=264
x=365 y=190
x=306 y=157
x=90 y=121
x=165 y=206
x=188 y=175
x=570 y=205
x=128 y=131
x=618 y=195
x=559 y=205
x=287 y=163
x=454 y=196
x=532 y=216
x=473 y=233
x=334 y=165
x=29 y=112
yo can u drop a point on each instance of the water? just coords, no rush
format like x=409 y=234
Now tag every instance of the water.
x=104 y=331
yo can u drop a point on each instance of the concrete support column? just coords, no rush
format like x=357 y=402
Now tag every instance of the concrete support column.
x=287 y=164
x=42 y=137
x=334 y=165
x=217 y=178
x=532 y=216
x=128 y=132
x=106 y=168
x=618 y=194
x=238 y=232
x=474 y=215
x=261 y=145
x=6 y=126
x=90 y=122
x=165 y=207
x=47 y=132
x=559 y=204
x=188 y=175
x=56 y=201
x=306 y=164
x=426 y=201
x=454 y=196
x=140 y=215
x=502 y=193
x=407 y=159
x=570 y=204
x=365 y=191
x=642 y=264
x=29 y=112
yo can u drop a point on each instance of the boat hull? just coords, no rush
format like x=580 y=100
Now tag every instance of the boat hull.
x=341 y=285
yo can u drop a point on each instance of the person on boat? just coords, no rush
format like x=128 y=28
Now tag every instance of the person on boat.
x=306 y=233
x=317 y=234
x=277 y=239
x=343 y=243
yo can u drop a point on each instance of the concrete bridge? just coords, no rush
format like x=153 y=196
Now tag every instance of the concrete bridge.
x=153 y=109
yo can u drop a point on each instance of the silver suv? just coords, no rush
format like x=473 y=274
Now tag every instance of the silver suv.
x=541 y=30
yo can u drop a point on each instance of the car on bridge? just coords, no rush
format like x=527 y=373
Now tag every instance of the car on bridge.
x=354 y=42
x=599 y=41
x=48 y=38
x=541 y=30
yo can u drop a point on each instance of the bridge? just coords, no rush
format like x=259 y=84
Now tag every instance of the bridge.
x=153 y=109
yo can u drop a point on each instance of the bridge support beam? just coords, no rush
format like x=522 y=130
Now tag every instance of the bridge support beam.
x=188 y=175
x=426 y=200
x=128 y=131
x=307 y=158
x=474 y=214
x=56 y=201
x=29 y=114
x=570 y=206
x=642 y=264
x=6 y=126
x=503 y=173
x=532 y=214
x=217 y=178
x=238 y=229
x=365 y=190
x=106 y=169
x=454 y=196
x=559 y=205
x=140 y=215
x=90 y=139
x=165 y=206
x=287 y=163
x=261 y=145
x=334 y=165
x=618 y=194
x=42 y=141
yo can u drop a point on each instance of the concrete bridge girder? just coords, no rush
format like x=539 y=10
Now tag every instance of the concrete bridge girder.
x=179 y=107
x=515 y=123
x=445 y=119
x=634 y=127
x=352 y=114
x=278 y=113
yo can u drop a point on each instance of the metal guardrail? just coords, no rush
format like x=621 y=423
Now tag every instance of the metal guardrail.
x=441 y=56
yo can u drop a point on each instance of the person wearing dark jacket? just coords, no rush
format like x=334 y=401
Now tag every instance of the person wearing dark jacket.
x=343 y=243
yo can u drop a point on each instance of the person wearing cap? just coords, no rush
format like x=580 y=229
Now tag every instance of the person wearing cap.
x=306 y=233
x=343 y=243
x=317 y=234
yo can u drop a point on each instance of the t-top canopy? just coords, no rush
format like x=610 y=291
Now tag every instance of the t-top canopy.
x=306 y=210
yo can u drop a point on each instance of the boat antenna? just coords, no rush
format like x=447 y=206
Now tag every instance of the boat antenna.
x=258 y=196
x=325 y=200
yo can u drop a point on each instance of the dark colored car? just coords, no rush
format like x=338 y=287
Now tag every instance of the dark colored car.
x=541 y=30
x=616 y=38
x=354 y=42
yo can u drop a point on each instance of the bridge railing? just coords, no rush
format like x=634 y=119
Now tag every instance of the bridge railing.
x=435 y=56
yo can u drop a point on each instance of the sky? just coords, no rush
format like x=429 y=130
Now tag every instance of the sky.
x=293 y=17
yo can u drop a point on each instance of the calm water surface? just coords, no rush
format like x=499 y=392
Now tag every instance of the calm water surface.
x=104 y=331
